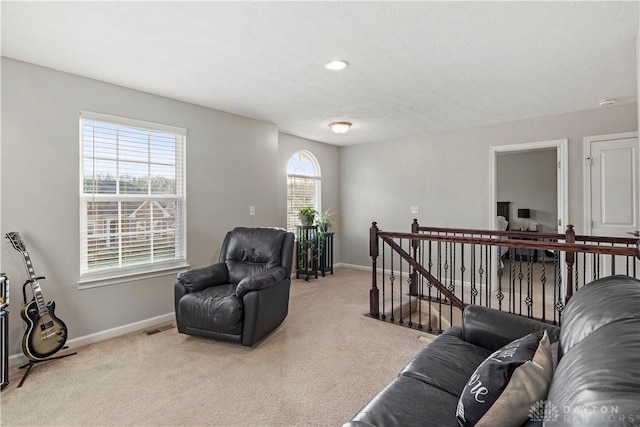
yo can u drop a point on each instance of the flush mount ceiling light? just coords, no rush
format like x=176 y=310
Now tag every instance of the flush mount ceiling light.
x=336 y=65
x=340 y=127
x=606 y=102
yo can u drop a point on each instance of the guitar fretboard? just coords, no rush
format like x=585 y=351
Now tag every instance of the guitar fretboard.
x=35 y=286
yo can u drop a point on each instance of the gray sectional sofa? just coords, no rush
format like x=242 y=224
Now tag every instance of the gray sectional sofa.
x=596 y=381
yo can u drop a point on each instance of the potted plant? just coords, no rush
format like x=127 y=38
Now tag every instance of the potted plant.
x=307 y=215
x=324 y=221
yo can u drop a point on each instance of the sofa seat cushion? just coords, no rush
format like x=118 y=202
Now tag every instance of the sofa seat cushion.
x=409 y=402
x=598 y=382
x=215 y=309
x=447 y=363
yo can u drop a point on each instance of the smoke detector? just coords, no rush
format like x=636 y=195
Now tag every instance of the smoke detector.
x=606 y=102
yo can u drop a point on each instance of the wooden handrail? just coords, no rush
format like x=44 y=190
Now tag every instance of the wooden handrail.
x=515 y=233
x=525 y=244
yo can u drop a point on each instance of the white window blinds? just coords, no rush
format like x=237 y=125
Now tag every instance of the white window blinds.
x=132 y=194
x=303 y=186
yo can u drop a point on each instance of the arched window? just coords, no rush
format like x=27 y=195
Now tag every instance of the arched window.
x=303 y=186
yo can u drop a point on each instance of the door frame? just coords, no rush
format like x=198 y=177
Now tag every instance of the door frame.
x=586 y=172
x=562 y=156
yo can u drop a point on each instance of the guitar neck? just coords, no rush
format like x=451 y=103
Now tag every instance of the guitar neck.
x=29 y=266
x=35 y=286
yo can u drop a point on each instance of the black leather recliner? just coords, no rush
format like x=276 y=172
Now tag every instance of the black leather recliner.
x=245 y=295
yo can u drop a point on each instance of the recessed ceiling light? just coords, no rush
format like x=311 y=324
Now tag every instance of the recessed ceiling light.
x=336 y=65
x=340 y=127
x=607 y=102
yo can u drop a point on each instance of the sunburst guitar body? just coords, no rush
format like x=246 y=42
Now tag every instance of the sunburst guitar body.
x=46 y=334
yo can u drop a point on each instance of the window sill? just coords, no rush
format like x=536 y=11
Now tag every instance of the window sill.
x=94 y=280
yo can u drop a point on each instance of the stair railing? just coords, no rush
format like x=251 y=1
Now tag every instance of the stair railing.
x=446 y=269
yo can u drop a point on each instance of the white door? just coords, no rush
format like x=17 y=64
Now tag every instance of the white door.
x=612 y=169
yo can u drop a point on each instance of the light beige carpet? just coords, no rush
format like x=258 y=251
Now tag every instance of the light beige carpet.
x=320 y=367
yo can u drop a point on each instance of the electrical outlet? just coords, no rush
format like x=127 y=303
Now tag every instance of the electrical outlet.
x=252 y=210
x=415 y=209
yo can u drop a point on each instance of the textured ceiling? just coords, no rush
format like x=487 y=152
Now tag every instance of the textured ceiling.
x=415 y=67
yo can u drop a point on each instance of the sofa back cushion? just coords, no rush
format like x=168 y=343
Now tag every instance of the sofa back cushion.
x=248 y=251
x=598 y=303
x=597 y=382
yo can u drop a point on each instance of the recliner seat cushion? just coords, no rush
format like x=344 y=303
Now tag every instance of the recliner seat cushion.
x=214 y=309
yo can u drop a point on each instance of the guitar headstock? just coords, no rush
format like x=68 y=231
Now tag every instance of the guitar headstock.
x=16 y=241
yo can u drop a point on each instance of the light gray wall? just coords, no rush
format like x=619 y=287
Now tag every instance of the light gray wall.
x=529 y=181
x=232 y=162
x=447 y=174
x=329 y=158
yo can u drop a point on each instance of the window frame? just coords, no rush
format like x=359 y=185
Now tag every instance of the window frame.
x=317 y=179
x=127 y=273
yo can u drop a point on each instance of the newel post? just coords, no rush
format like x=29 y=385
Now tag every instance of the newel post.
x=415 y=244
x=569 y=237
x=374 y=293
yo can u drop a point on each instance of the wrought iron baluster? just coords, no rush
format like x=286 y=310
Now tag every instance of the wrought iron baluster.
x=576 y=269
x=543 y=281
x=584 y=267
x=481 y=273
x=439 y=291
x=488 y=252
x=429 y=286
x=520 y=277
x=500 y=294
x=613 y=262
x=401 y=322
x=512 y=280
x=558 y=278
x=384 y=287
x=627 y=263
x=529 y=298
x=474 y=291
x=452 y=286
x=392 y=278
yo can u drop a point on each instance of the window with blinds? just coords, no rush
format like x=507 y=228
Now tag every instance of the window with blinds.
x=303 y=186
x=132 y=195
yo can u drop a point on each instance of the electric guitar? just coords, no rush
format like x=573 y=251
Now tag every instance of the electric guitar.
x=46 y=334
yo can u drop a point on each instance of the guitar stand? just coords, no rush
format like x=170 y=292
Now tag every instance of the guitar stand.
x=33 y=362
x=30 y=364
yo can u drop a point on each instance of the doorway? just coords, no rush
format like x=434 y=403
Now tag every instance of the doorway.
x=560 y=147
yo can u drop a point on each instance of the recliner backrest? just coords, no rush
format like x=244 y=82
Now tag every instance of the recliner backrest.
x=247 y=251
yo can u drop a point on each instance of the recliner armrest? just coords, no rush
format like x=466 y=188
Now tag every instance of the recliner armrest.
x=493 y=329
x=198 y=279
x=261 y=280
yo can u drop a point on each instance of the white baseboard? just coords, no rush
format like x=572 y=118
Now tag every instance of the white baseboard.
x=19 y=358
x=353 y=266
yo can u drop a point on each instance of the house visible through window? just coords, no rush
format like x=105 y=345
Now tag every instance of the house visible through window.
x=132 y=195
x=303 y=186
